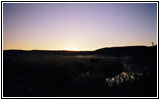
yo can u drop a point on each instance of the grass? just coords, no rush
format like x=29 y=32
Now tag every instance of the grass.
x=47 y=75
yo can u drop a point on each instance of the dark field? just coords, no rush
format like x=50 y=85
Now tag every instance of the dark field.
x=107 y=72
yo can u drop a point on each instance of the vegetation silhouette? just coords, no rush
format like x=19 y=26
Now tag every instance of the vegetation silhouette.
x=107 y=72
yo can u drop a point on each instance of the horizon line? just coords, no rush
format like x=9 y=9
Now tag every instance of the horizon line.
x=78 y=50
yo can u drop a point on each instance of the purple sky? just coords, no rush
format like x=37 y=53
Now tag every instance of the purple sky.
x=78 y=26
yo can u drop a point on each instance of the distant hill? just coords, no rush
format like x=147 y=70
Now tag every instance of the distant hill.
x=113 y=51
x=128 y=50
x=48 y=52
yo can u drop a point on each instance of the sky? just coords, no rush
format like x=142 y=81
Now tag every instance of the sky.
x=78 y=26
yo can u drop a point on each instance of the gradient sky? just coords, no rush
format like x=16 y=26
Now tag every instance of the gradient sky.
x=79 y=26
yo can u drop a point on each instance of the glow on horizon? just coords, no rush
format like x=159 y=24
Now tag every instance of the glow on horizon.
x=78 y=26
x=71 y=49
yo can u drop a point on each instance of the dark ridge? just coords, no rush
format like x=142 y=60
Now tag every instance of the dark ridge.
x=113 y=51
x=128 y=50
x=47 y=52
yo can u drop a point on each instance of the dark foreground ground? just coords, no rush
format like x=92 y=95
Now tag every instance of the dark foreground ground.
x=107 y=72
